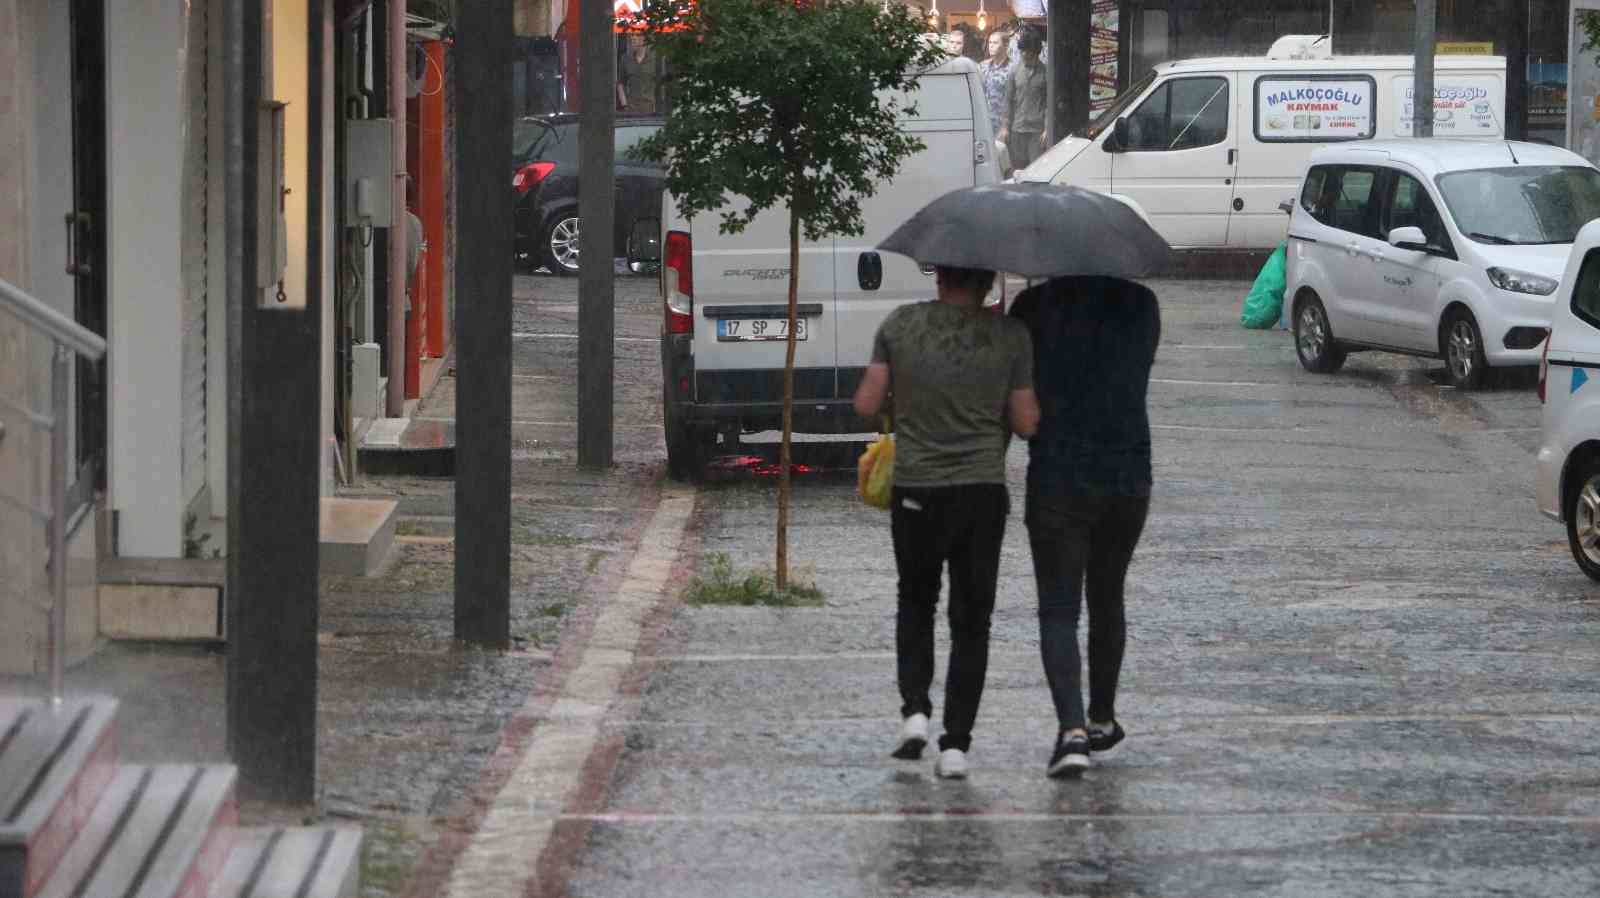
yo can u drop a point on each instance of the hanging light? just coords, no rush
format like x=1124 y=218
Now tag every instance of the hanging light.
x=983 y=17
x=933 y=17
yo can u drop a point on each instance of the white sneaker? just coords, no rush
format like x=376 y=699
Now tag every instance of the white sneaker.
x=952 y=764
x=913 y=738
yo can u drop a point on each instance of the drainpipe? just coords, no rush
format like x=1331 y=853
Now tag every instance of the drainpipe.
x=395 y=395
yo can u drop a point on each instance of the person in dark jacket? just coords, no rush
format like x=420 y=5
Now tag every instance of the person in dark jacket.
x=1089 y=478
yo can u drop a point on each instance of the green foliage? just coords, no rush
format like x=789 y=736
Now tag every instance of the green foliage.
x=724 y=586
x=1590 y=21
x=784 y=102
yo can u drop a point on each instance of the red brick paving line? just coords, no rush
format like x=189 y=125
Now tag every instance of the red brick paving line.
x=455 y=829
x=570 y=837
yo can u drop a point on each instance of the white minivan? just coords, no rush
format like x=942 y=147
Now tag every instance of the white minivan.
x=1568 y=466
x=724 y=296
x=1447 y=249
x=1206 y=149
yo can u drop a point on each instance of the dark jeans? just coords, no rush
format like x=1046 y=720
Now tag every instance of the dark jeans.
x=1082 y=545
x=962 y=526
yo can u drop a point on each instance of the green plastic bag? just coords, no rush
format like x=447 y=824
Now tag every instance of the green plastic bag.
x=1264 y=306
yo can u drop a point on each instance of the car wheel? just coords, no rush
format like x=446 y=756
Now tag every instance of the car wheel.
x=1463 y=350
x=1583 y=519
x=559 y=245
x=1313 y=338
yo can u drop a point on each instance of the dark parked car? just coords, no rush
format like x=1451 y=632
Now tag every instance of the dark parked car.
x=545 y=177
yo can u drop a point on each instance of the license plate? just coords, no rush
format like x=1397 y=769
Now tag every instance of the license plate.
x=739 y=330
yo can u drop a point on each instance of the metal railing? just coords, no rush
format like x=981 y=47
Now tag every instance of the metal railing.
x=68 y=338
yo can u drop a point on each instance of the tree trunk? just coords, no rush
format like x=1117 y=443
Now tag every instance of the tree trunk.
x=782 y=564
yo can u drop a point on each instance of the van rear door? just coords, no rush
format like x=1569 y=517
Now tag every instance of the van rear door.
x=741 y=284
x=946 y=124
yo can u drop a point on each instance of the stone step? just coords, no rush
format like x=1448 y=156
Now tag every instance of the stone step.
x=54 y=765
x=160 y=831
x=320 y=862
x=356 y=535
x=162 y=599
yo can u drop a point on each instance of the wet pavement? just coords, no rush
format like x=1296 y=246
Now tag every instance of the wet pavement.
x=1360 y=663
x=410 y=724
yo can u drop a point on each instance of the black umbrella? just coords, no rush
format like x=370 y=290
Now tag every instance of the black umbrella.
x=1032 y=230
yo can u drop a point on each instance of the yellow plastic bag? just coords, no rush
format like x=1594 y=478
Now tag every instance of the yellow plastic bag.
x=875 y=472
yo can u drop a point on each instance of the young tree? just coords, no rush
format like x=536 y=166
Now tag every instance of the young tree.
x=784 y=103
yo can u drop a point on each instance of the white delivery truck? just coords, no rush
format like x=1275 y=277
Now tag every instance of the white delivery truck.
x=1207 y=149
x=725 y=296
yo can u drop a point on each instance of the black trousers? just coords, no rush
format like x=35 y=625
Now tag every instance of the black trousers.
x=1081 y=548
x=961 y=527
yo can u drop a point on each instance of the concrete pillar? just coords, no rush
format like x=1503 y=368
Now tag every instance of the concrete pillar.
x=146 y=291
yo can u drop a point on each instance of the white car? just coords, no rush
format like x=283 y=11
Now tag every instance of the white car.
x=1569 y=386
x=1439 y=248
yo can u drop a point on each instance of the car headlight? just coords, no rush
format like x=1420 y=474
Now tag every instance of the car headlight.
x=1522 y=282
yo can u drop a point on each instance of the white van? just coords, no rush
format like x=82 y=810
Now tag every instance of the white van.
x=1207 y=149
x=1568 y=463
x=1447 y=249
x=725 y=296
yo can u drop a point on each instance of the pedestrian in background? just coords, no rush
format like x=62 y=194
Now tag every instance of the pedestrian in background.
x=971 y=42
x=962 y=383
x=637 y=79
x=1089 y=478
x=993 y=72
x=1023 y=123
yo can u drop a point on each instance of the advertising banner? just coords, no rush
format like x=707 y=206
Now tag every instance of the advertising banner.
x=1463 y=106
x=1314 y=109
x=1104 y=44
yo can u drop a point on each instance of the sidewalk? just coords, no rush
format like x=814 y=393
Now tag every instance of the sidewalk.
x=1335 y=685
x=409 y=723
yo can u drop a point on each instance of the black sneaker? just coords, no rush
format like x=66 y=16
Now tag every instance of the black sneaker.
x=1105 y=739
x=1071 y=757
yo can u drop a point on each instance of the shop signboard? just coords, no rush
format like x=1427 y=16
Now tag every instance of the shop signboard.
x=1464 y=48
x=1104 y=44
x=1463 y=105
x=1298 y=109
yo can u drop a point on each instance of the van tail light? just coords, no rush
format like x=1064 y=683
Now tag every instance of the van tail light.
x=1544 y=366
x=677 y=282
x=531 y=174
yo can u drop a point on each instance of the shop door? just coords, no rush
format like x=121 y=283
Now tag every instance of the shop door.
x=68 y=223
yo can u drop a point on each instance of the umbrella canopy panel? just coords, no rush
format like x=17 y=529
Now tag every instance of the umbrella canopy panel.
x=1033 y=230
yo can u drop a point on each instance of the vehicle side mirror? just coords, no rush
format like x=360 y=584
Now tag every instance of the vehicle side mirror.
x=1121 y=136
x=644 y=245
x=1410 y=238
x=1286 y=207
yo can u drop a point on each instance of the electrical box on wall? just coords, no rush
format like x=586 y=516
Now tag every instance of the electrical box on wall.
x=369 y=166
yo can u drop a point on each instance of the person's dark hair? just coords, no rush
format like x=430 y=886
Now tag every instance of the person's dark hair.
x=1030 y=41
x=979 y=279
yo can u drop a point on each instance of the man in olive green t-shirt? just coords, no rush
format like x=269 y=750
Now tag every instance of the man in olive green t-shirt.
x=962 y=379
